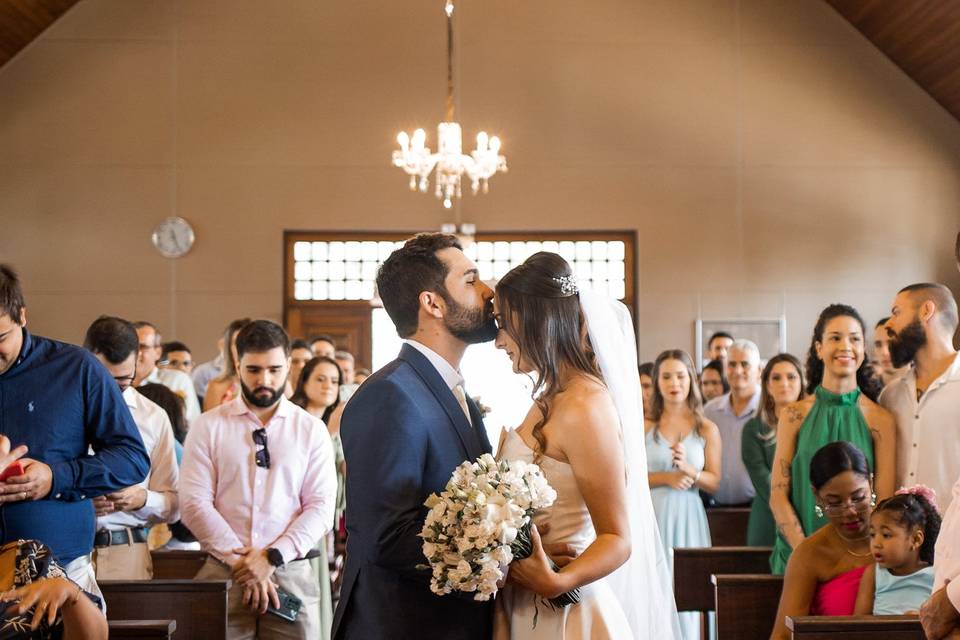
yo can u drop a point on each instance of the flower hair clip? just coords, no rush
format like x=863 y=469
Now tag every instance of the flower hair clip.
x=922 y=491
x=568 y=285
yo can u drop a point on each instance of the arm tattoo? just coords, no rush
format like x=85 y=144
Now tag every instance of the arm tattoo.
x=794 y=414
x=876 y=435
x=785 y=468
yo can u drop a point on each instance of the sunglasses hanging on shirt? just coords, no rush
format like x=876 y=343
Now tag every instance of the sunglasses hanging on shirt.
x=262 y=456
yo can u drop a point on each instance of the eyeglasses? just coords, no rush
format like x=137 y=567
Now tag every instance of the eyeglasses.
x=262 y=456
x=858 y=504
x=125 y=382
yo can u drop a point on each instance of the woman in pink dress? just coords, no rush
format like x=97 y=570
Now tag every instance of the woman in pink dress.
x=823 y=574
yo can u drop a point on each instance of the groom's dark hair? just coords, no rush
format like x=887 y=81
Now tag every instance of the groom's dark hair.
x=409 y=271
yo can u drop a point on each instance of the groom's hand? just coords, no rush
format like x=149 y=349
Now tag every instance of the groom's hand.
x=560 y=552
x=253 y=565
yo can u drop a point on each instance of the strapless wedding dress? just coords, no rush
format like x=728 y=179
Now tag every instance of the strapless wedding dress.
x=598 y=615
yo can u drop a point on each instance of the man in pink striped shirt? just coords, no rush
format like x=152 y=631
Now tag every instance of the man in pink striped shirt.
x=258 y=489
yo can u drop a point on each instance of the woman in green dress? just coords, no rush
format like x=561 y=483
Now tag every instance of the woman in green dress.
x=781 y=384
x=841 y=406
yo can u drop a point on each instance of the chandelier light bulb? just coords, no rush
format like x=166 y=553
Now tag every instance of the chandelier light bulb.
x=404 y=140
x=482 y=141
x=419 y=139
x=495 y=144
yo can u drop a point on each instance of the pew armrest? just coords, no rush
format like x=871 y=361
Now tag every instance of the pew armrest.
x=887 y=627
x=130 y=629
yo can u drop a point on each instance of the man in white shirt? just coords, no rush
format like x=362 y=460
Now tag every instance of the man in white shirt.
x=147 y=370
x=926 y=399
x=123 y=518
x=940 y=614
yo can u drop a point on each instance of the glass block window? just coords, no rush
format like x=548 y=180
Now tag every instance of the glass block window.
x=347 y=269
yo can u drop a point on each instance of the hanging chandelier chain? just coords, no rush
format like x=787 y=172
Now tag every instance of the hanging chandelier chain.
x=448 y=9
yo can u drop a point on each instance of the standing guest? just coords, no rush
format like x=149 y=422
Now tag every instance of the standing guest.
x=903 y=532
x=780 y=385
x=824 y=572
x=323 y=345
x=731 y=412
x=940 y=615
x=718 y=346
x=176 y=355
x=840 y=407
x=318 y=393
x=646 y=385
x=882 y=364
x=225 y=387
x=713 y=380
x=360 y=375
x=60 y=402
x=258 y=489
x=204 y=373
x=124 y=517
x=300 y=355
x=683 y=455
x=926 y=399
x=348 y=385
x=147 y=370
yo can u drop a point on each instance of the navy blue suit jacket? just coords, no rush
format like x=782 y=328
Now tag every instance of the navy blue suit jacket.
x=403 y=435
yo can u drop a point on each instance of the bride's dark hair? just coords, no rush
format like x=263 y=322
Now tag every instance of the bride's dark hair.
x=540 y=311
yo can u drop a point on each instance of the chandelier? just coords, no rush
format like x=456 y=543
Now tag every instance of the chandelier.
x=416 y=159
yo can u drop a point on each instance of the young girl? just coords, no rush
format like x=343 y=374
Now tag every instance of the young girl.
x=903 y=532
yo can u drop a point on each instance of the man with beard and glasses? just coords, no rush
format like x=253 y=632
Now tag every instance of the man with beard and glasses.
x=404 y=432
x=258 y=490
x=926 y=399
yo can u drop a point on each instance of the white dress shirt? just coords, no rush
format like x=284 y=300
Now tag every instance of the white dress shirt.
x=162 y=479
x=928 y=432
x=450 y=375
x=181 y=384
x=227 y=501
x=735 y=484
x=946 y=561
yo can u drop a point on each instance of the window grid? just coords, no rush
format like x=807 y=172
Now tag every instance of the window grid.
x=347 y=269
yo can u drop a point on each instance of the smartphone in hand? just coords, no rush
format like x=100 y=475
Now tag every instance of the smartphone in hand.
x=289 y=606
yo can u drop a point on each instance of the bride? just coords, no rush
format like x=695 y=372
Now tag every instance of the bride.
x=585 y=430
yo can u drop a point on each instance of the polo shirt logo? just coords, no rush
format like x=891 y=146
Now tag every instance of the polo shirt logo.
x=30 y=406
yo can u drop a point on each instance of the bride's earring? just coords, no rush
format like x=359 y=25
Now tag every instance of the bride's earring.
x=873 y=500
x=818 y=510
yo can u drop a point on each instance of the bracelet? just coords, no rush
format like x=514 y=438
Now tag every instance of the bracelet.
x=696 y=478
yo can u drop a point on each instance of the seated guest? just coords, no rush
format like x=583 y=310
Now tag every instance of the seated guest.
x=903 y=532
x=780 y=384
x=323 y=345
x=225 y=387
x=882 y=364
x=257 y=490
x=39 y=601
x=926 y=398
x=731 y=412
x=124 y=517
x=300 y=355
x=360 y=375
x=148 y=371
x=713 y=381
x=840 y=406
x=646 y=385
x=940 y=614
x=718 y=346
x=346 y=363
x=176 y=355
x=683 y=455
x=823 y=574
x=74 y=406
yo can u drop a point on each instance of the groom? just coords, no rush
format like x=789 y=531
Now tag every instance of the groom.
x=404 y=431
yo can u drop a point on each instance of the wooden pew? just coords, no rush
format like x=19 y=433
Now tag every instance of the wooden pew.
x=692 y=569
x=856 y=627
x=177 y=564
x=137 y=629
x=198 y=606
x=746 y=605
x=728 y=526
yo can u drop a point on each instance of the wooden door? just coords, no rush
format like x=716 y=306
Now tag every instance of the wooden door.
x=350 y=323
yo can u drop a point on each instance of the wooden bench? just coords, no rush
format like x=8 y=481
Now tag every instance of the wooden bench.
x=136 y=629
x=177 y=564
x=856 y=627
x=746 y=605
x=692 y=569
x=198 y=606
x=728 y=526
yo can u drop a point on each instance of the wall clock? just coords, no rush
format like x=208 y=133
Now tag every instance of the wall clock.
x=173 y=237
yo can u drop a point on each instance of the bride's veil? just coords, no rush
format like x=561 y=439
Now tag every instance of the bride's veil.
x=644 y=583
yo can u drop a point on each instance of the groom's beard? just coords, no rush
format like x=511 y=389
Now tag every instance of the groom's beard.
x=904 y=345
x=262 y=397
x=471 y=325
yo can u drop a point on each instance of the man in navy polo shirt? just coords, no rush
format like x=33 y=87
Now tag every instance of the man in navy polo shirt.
x=60 y=402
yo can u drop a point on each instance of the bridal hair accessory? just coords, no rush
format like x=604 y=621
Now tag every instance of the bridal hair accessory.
x=568 y=285
x=920 y=490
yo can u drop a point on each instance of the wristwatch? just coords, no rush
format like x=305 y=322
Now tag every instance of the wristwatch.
x=274 y=557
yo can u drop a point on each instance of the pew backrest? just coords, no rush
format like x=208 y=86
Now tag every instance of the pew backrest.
x=139 y=629
x=692 y=569
x=728 y=526
x=177 y=564
x=855 y=627
x=199 y=607
x=746 y=605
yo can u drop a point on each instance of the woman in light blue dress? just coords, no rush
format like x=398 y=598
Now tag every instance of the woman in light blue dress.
x=683 y=456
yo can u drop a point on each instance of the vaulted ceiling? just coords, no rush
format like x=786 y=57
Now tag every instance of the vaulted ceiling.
x=23 y=20
x=922 y=37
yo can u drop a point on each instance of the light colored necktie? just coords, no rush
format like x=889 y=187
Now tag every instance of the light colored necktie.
x=462 y=401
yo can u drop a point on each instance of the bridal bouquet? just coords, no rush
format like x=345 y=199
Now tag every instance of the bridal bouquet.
x=481 y=522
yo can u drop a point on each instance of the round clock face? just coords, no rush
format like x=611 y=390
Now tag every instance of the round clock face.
x=173 y=237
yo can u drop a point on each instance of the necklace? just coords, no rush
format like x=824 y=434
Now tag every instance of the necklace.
x=848 y=550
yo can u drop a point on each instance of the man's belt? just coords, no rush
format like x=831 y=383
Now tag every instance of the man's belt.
x=105 y=538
